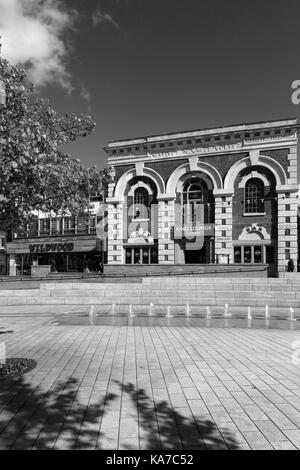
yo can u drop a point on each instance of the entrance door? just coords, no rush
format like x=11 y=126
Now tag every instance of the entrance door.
x=195 y=256
x=202 y=256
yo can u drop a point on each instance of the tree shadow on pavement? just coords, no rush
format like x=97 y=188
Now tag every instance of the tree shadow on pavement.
x=57 y=418
x=62 y=418
x=164 y=427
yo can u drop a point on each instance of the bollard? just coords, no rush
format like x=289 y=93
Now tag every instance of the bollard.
x=113 y=309
x=2 y=353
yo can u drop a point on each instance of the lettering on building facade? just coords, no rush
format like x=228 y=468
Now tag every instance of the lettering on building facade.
x=51 y=247
x=196 y=151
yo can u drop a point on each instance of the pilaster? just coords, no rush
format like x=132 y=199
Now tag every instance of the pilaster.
x=115 y=253
x=223 y=226
x=287 y=236
x=165 y=227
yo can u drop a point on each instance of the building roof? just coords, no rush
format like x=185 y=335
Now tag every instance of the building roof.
x=247 y=127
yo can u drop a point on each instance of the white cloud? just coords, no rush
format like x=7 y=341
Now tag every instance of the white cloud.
x=101 y=17
x=86 y=96
x=32 y=35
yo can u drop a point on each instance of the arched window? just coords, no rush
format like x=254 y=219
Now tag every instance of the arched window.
x=141 y=203
x=254 y=196
x=194 y=191
x=194 y=198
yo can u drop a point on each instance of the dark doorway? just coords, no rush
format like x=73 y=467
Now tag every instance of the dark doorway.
x=203 y=256
x=196 y=256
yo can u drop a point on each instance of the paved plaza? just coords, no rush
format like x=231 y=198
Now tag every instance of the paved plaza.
x=149 y=386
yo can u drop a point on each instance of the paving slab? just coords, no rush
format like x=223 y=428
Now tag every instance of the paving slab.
x=149 y=385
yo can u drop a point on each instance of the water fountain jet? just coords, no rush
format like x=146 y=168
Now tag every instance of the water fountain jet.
x=151 y=309
x=91 y=315
x=131 y=314
x=169 y=312
x=292 y=314
x=226 y=311
x=249 y=314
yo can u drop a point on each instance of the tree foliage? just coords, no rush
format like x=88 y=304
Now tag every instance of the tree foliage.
x=35 y=174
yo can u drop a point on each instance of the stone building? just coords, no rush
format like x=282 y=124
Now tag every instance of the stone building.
x=59 y=244
x=205 y=198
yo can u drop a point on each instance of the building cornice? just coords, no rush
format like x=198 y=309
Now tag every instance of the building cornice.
x=242 y=128
x=205 y=150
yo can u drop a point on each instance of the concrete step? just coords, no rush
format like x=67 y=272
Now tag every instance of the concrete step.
x=203 y=301
x=283 y=292
x=148 y=292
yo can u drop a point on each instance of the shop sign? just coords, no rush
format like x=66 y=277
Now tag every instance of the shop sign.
x=195 y=230
x=51 y=247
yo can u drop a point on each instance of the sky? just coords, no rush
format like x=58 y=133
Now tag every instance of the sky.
x=145 y=67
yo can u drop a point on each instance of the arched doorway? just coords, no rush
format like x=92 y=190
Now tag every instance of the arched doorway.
x=140 y=237
x=197 y=218
x=255 y=218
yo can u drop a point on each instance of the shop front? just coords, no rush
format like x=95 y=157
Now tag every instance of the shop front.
x=68 y=254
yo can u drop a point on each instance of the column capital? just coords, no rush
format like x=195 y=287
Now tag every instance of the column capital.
x=223 y=192
x=287 y=188
x=114 y=200
x=166 y=197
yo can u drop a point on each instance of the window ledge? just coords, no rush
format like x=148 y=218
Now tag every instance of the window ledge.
x=253 y=214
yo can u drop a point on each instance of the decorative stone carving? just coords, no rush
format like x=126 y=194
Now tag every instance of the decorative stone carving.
x=254 y=232
x=112 y=173
x=193 y=162
x=254 y=157
x=141 y=235
x=139 y=168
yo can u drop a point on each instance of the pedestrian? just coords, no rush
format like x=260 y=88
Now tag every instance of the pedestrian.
x=53 y=266
x=291 y=265
x=86 y=267
x=101 y=267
